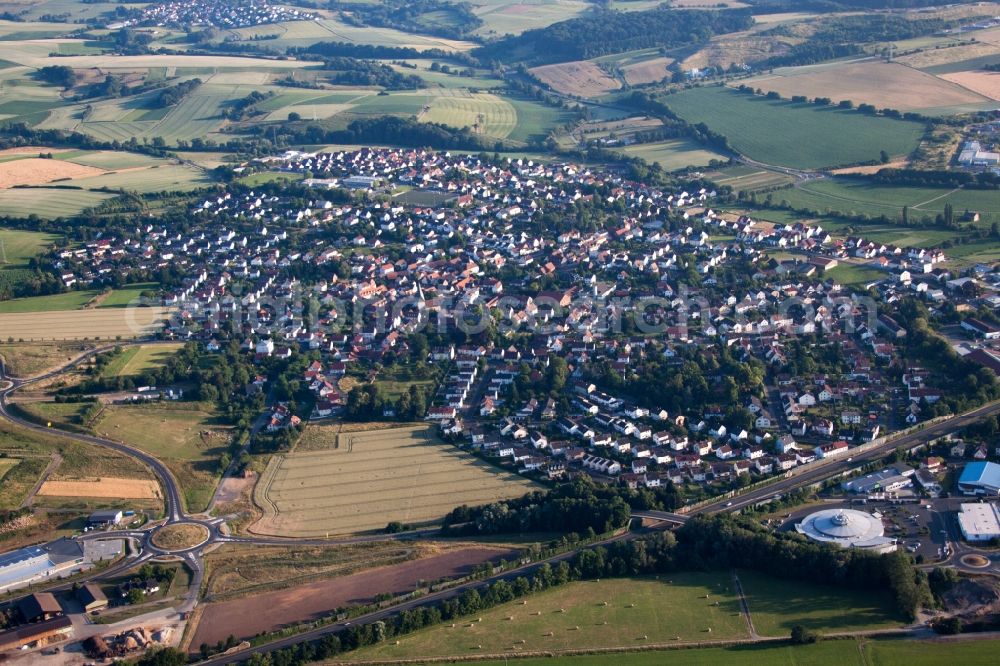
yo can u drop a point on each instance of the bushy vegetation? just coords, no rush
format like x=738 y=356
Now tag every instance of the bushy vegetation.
x=171 y=95
x=353 y=72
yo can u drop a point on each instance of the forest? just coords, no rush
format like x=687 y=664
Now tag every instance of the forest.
x=615 y=32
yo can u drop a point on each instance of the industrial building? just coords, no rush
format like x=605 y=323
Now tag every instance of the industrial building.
x=91 y=597
x=24 y=566
x=979 y=521
x=980 y=478
x=889 y=480
x=847 y=528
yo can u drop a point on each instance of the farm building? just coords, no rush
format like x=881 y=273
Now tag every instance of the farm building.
x=980 y=478
x=27 y=565
x=91 y=598
x=106 y=518
x=50 y=631
x=979 y=522
x=39 y=607
x=847 y=528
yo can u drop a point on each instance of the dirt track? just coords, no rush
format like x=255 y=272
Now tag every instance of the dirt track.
x=272 y=610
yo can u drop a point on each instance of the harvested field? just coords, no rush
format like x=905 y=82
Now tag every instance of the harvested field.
x=365 y=480
x=883 y=84
x=273 y=610
x=648 y=71
x=82 y=324
x=36 y=171
x=106 y=487
x=581 y=78
x=982 y=82
x=938 y=57
x=31 y=360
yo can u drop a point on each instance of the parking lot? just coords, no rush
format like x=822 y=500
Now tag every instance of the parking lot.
x=920 y=530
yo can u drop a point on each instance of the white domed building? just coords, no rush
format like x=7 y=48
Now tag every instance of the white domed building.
x=847 y=528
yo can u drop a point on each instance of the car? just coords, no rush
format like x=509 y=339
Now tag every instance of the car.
x=729 y=503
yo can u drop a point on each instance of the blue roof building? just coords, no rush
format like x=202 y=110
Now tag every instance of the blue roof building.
x=980 y=478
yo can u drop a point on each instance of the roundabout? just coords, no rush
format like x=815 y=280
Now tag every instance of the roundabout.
x=180 y=537
x=975 y=561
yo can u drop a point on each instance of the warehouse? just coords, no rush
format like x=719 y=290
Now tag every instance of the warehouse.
x=979 y=521
x=980 y=478
x=43 y=633
x=24 y=566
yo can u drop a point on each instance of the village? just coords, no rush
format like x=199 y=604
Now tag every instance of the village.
x=421 y=243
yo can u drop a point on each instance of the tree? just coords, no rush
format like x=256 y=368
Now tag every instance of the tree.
x=803 y=636
x=135 y=596
x=294 y=116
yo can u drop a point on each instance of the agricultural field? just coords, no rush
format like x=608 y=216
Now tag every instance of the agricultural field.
x=103 y=488
x=36 y=171
x=236 y=570
x=305 y=33
x=512 y=17
x=483 y=112
x=161 y=178
x=883 y=84
x=615 y=612
x=673 y=154
x=187 y=437
x=127 y=295
x=136 y=360
x=861 y=197
x=364 y=480
x=309 y=599
x=33 y=319
x=535 y=120
x=748 y=178
x=810 y=137
x=49 y=203
x=581 y=78
x=984 y=83
x=653 y=70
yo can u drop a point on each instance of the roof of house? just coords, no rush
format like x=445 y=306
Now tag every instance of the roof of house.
x=981 y=474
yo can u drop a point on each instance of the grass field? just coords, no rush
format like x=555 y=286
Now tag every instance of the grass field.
x=70 y=300
x=574 y=616
x=26 y=320
x=852 y=275
x=856 y=196
x=794 y=135
x=7 y=464
x=165 y=178
x=48 y=203
x=135 y=360
x=78 y=461
x=673 y=154
x=187 y=438
x=364 y=480
x=17 y=248
x=125 y=296
x=931 y=653
x=827 y=653
x=536 y=120
x=28 y=360
x=776 y=606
